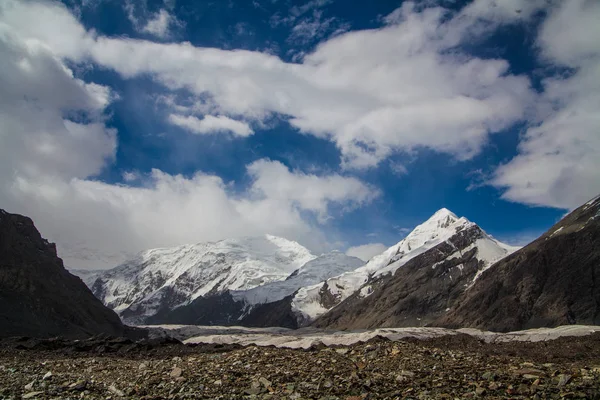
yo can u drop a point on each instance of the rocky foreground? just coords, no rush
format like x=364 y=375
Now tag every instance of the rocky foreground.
x=449 y=367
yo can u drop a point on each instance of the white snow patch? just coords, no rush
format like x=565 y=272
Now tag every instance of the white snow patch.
x=308 y=337
x=365 y=291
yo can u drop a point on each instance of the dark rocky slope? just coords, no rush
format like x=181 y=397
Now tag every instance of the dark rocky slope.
x=222 y=309
x=38 y=297
x=418 y=293
x=553 y=281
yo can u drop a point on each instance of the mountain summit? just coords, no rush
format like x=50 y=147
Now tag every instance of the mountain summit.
x=412 y=282
x=555 y=280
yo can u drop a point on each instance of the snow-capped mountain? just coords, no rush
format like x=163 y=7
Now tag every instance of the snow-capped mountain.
x=167 y=278
x=265 y=305
x=315 y=300
x=268 y=280
x=550 y=282
x=317 y=270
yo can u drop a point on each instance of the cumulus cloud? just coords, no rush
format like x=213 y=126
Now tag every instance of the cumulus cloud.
x=366 y=251
x=558 y=163
x=159 y=24
x=97 y=224
x=211 y=124
x=55 y=141
x=50 y=122
x=373 y=92
x=309 y=192
x=401 y=87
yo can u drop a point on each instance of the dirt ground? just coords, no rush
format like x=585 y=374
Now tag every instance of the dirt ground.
x=453 y=367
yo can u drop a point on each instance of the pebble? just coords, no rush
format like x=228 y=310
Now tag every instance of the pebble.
x=48 y=375
x=264 y=381
x=31 y=395
x=563 y=379
x=116 y=391
x=176 y=372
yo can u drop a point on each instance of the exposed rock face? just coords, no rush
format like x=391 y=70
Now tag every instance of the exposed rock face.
x=419 y=292
x=38 y=297
x=223 y=309
x=553 y=281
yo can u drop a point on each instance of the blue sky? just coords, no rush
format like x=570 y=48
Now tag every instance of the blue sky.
x=136 y=124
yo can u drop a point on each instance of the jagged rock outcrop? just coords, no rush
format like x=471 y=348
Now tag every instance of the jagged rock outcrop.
x=553 y=281
x=38 y=296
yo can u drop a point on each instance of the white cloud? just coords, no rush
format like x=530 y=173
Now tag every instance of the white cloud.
x=54 y=141
x=374 y=92
x=371 y=92
x=366 y=251
x=94 y=222
x=309 y=192
x=211 y=124
x=42 y=113
x=398 y=169
x=159 y=24
x=130 y=176
x=558 y=163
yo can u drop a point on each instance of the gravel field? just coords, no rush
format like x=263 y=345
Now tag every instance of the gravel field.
x=449 y=367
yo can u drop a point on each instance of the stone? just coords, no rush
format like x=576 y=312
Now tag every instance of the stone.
x=530 y=371
x=176 y=372
x=489 y=376
x=254 y=388
x=563 y=379
x=264 y=381
x=480 y=391
x=31 y=395
x=113 y=389
x=48 y=375
x=79 y=385
x=29 y=386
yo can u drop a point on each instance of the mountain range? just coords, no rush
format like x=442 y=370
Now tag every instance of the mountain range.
x=447 y=272
x=267 y=280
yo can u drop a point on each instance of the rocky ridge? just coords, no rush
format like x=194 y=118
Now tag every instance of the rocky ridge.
x=38 y=296
x=412 y=283
x=555 y=280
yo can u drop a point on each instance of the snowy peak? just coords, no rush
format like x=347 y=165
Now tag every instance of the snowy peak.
x=442 y=228
x=443 y=216
x=169 y=277
x=442 y=223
